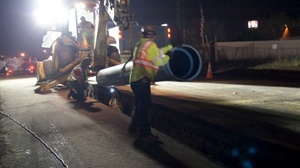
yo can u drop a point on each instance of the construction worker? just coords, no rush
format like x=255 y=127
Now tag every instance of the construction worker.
x=77 y=80
x=147 y=58
x=112 y=52
x=86 y=33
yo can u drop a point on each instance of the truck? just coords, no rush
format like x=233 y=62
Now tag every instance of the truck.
x=110 y=39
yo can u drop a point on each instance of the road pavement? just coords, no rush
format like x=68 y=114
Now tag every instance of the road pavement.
x=46 y=130
x=252 y=122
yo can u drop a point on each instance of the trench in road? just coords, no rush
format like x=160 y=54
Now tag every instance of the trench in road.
x=216 y=129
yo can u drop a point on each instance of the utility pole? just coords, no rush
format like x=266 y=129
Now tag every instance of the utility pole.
x=202 y=25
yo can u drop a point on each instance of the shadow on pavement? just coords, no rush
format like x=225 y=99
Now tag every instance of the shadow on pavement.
x=155 y=151
x=88 y=106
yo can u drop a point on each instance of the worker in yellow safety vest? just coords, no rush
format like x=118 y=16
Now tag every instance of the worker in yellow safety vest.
x=147 y=58
x=77 y=80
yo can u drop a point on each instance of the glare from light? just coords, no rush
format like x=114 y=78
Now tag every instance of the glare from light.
x=51 y=12
x=169 y=32
x=80 y=6
x=112 y=90
x=285 y=33
x=253 y=24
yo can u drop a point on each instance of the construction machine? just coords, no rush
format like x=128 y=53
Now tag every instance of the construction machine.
x=69 y=45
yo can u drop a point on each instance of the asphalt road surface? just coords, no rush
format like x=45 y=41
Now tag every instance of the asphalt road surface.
x=46 y=130
x=244 y=121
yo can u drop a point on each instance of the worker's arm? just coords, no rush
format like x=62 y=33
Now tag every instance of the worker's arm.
x=166 y=49
x=158 y=56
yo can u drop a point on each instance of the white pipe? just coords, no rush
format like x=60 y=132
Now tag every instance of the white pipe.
x=185 y=65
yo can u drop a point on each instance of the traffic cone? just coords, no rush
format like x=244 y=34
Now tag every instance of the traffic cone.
x=209 y=73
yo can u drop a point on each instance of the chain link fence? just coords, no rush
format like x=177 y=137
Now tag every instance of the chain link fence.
x=283 y=54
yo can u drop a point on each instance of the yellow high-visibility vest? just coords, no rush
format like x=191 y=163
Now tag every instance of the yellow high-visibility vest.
x=147 y=59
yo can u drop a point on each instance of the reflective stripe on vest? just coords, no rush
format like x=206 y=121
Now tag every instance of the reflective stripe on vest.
x=160 y=58
x=72 y=77
x=146 y=63
x=142 y=60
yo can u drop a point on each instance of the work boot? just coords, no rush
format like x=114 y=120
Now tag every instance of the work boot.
x=71 y=93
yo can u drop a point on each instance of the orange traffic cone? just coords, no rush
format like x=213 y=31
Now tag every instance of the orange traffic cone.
x=209 y=73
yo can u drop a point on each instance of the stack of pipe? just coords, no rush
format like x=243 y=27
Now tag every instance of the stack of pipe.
x=185 y=65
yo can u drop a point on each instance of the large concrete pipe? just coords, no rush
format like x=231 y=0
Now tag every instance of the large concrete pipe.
x=185 y=65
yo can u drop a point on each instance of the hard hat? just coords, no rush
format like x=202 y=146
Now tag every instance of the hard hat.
x=148 y=31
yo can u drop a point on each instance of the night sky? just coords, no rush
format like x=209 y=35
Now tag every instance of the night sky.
x=19 y=32
x=233 y=9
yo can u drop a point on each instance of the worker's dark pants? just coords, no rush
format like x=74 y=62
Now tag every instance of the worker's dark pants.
x=140 y=117
x=78 y=88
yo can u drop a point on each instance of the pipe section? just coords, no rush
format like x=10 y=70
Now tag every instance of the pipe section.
x=186 y=64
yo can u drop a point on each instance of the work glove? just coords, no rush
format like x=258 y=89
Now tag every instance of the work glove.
x=170 y=54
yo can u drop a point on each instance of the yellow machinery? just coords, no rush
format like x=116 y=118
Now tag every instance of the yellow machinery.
x=69 y=44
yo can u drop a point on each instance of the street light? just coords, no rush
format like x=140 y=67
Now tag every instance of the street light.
x=23 y=55
x=285 y=33
x=27 y=62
